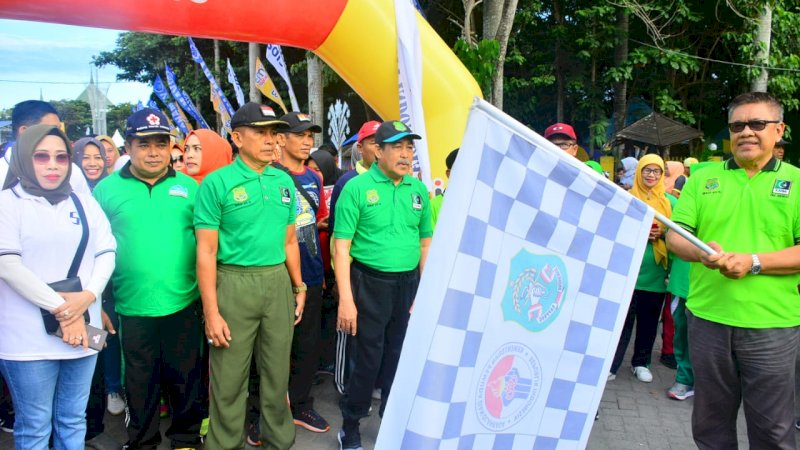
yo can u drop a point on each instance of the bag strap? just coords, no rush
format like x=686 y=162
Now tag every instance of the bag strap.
x=299 y=187
x=76 y=261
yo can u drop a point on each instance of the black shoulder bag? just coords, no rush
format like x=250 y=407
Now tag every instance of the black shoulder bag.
x=299 y=187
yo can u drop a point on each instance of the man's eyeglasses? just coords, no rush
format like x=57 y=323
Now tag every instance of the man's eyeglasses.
x=177 y=158
x=62 y=159
x=564 y=145
x=656 y=172
x=755 y=125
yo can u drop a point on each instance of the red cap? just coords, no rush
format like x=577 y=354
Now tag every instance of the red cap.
x=368 y=129
x=560 y=128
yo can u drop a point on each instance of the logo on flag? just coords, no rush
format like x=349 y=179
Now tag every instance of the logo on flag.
x=536 y=290
x=508 y=386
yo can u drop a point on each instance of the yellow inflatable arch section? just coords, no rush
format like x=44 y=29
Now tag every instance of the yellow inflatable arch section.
x=357 y=38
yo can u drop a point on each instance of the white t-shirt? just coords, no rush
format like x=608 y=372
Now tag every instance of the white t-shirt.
x=76 y=178
x=46 y=237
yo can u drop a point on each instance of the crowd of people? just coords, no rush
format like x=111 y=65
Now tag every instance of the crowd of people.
x=219 y=279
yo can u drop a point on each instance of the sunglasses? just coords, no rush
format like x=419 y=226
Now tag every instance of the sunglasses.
x=62 y=159
x=177 y=158
x=755 y=125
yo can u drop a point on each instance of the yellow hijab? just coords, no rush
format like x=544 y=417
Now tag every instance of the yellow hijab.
x=655 y=197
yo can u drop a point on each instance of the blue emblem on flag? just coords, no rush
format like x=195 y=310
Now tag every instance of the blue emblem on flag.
x=536 y=289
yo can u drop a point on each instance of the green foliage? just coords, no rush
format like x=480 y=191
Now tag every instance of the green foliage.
x=76 y=115
x=480 y=59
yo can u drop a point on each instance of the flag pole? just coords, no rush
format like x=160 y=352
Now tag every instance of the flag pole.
x=689 y=236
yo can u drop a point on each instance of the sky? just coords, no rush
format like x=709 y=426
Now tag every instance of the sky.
x=56 y=61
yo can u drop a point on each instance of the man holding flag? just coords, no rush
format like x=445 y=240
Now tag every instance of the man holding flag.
x=384 y=224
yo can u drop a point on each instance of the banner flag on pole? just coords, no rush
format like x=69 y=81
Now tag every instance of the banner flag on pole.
x=226 y=118
x=275 y=57
x=161 y=92
x=138 y=106
x=409 y=62
x=522 y=301
x=183 y=98
x=152 y=105
x=236 y=87
x=198 y=58
x=266 y=86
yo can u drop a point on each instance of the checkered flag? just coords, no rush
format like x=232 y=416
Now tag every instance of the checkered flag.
x=522 y=301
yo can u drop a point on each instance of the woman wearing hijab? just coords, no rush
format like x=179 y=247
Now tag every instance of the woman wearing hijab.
x=648 y=295
x=629 y=164
x=110 y=150
x=673 y=171
x=205 y=151
x=41 y=228
x=90 y=155
x=176 y=153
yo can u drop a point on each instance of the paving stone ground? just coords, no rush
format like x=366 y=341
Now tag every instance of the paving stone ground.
x=633 y=415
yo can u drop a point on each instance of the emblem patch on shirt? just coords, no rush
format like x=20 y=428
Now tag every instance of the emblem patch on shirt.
x=179 y=191
x=286 y=197
x=782 y=188
x=240 y=194
x=712 y=184
x=372 y=197
x=416 y=202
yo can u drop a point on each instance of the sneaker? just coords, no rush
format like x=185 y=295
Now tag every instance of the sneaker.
x=612 y=376
x=351 y=441
x=116 y=404
x=797 y=424
x=204 y=427
x=254 y=435
x=643 y=374
x=311 y=421
x=680 y=391
x=376 y=394
x=102 y=442
x=328 y=369
x=7 y=421
x=669 y=361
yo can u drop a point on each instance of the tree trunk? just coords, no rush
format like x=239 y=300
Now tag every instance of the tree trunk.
x=216 y=74
x=763 y=43
x=503 y=33
x=252 y=54
x=558 y=64
x=492 y=14
x=466 y=33
x=315 y=90
x=620 y=55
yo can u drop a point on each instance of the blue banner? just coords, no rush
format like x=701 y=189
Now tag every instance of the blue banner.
x=236 y=87
x=161 y=92
x=183 y=98
x=198 y=58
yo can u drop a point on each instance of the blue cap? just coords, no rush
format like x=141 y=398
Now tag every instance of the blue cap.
x=147 y=122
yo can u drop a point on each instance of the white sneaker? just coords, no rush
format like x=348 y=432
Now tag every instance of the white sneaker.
x=116 y=404
x=376 y=394
x=643 y=374
x=612 y=376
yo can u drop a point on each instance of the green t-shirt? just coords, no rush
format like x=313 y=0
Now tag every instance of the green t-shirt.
x=155 y=273
x=384 y=221
x=436 y=206
x=678 y=277
x=250 y=211
x=744 y=215
x=652 y=276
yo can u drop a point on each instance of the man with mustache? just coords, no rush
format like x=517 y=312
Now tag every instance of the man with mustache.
x=384 y=224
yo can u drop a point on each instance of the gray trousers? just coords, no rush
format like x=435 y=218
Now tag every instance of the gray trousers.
x=742 y=365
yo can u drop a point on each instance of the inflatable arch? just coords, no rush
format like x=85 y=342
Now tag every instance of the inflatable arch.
x=357 y=38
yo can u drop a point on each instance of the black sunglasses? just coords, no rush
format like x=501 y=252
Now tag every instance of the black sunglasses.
x=177 y=158
x=755 y=125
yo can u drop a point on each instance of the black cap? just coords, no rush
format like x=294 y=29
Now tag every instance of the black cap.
x=782 y=143
x=393 y=131
x=253 y=114
x=451 y=159
x=299 y=122
x=146 y=122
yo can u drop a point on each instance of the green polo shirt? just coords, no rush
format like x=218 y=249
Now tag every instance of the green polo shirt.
x=652 y=276
x=384 y=221
x=155 y=273
x=744 y=215
x=249 y=210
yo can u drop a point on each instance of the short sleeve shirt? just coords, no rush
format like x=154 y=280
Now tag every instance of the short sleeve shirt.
x=250 y=211
x=384 y=221
x=744 y=215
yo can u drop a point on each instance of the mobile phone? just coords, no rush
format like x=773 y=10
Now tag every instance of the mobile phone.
x=97 y=337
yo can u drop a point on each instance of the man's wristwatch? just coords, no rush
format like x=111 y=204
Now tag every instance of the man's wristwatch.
x=756 y=268
x=299 y=289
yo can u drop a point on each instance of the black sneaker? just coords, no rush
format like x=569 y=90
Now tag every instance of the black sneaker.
x=254 y=435
x=311 y=421
x=669 y=361
x=349 y=441
x=797 y=424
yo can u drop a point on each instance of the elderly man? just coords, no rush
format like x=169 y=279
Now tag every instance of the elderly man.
x=743 y=307
x=150 y=208
x=384 y=224
x=248 y=266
